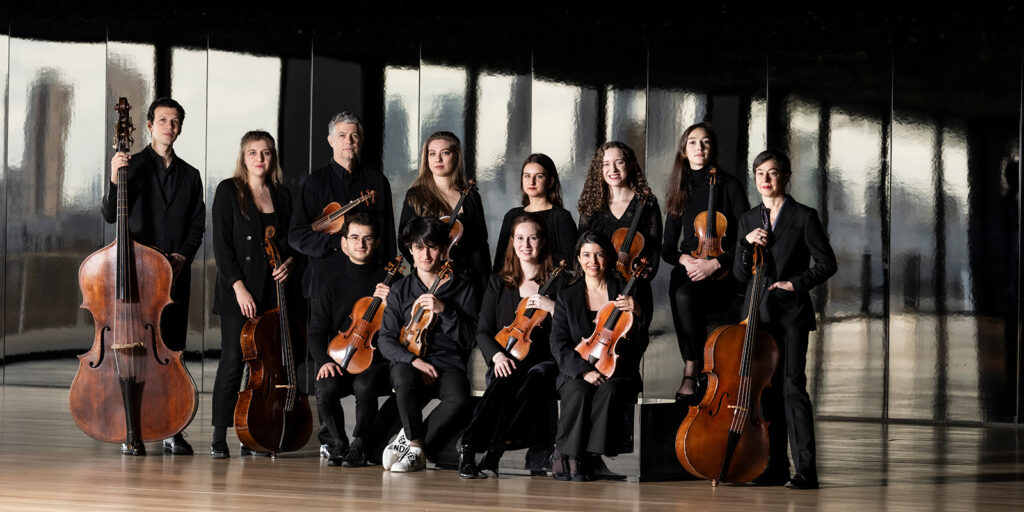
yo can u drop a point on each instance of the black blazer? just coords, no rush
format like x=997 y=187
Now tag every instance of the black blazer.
x=797 y=237
x=238 y=245
x=572 y=322
x=498 y=309
x=173 y=226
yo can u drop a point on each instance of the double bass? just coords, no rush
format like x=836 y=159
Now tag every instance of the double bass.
x=130 y=388
x=414 y=334
x=612 y=324
x=628 y=242
x=514 y=338
x=725 y=437
x=352 y=349
x=332 y=219
x=710 y=226
x=271 y=415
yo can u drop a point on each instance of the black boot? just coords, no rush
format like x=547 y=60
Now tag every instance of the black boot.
x=467 y=463
x=489 y=464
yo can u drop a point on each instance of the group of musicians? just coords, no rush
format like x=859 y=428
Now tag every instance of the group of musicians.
x=475 y=300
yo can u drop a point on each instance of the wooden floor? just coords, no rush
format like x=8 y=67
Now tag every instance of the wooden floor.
x=46 y=463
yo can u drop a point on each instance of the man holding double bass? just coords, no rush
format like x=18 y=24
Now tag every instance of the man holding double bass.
x=166 y=211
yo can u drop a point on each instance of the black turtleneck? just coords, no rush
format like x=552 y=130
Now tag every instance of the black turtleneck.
x=330 y=314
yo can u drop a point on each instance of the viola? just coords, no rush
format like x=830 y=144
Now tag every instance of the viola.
x=352 y=349
x=414 y=334
x=455 y=228
x=710 y=226
x=725 y=437
x=333 y=217
x=129 y=387
x=612 y=324
x=514 y=338
x=628 y=242
x=271 y=414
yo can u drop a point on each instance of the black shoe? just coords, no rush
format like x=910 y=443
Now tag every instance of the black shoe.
x=687 y=399
x=136 y=448
x=489 y=464
x=219 y=450
x=578 y=471
x=177 y=445
x=538 y=460
x=560 y=466
x=800 y=481
x=356 y=457
x=244 y=450
x=337 y=456
x=467 y=463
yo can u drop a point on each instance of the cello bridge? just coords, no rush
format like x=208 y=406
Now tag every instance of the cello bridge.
x=126 y=346
x=741 y=409
x=287 y=386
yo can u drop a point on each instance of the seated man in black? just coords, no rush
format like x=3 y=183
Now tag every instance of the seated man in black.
x=441 y=373
x=360 y=275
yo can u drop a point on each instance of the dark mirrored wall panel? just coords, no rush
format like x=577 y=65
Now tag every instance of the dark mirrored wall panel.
x=727 y=90
x=5 y=42
x=830 y=114
x=57 y=148
x=954 y=234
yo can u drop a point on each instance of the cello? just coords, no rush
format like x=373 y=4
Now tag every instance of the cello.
x=628 y=242
x=129 y=388
x=725 y=437
x=514 y=338
x=332 y=219
x=612 y=324
x=414 y=334
x=271 y=415
x=455 y=228
x=352 y=349
x=710 y=226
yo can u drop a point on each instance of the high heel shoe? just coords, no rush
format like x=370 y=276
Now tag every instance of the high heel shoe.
x=467 y=463
x=687 y=398
x=560 y=466
x=578 y=471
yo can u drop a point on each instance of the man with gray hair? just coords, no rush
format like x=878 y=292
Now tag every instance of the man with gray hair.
x=342 y=180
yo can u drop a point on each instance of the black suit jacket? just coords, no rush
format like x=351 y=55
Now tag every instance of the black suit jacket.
x=238 y=245
x=797 y=237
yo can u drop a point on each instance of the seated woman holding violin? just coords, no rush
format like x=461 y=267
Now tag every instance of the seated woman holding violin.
x=593 y=403
x=427 y=334
x=515 y=318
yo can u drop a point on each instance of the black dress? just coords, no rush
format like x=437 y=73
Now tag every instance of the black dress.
x=561 y=228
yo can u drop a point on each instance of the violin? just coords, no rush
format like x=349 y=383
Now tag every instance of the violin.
x=414 y=334
x=333 y=217
x=514 y=338
x=129 y=387
x=725 y=437
x=455 y=228
x=628 y=242
x=612 y=324
x=352 y=349
x=271 y=415
x=710 y=226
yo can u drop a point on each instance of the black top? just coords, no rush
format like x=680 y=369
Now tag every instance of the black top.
x=650 y=227
x=451 y=338
x=680 y=235
x=797 y=237
x=471 y=257
x=498 y=309
x=574 y=321
x=171 y=220
x=238 y=246
x=561 y=233
x=331 y=314
x=333 y=183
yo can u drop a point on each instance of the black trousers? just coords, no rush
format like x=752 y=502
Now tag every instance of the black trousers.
x=451 y=387
x=229 y=371
x=366 y=386
x=515 y=411
x=691 y=302
x=788 y=406
x=174 y=319
x=591 y=420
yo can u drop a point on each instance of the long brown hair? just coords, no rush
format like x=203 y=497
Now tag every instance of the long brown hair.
x=241 y=176
x=595 y=191
x=423 y=195
x=554 y=191
x=678 y=194
x=512 y=271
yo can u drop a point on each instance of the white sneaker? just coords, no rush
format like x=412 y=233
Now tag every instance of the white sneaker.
x=413 y=461
x=395 y=450
x=325 y=451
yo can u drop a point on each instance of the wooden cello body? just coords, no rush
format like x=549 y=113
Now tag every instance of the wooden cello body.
x=353 y=349
x=130 y=388
x=725 y=437
x=271 y=414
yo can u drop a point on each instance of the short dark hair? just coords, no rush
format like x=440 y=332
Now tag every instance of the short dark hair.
x=781 y=160
x=361 y=218
x=169 y=103
x=425 y=231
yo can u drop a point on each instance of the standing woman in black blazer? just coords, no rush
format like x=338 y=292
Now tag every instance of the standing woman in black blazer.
x=694 y=289
x=244 y=205
x=591 y=420
x=792 y=235
x=542 y=198
x=435 y=192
